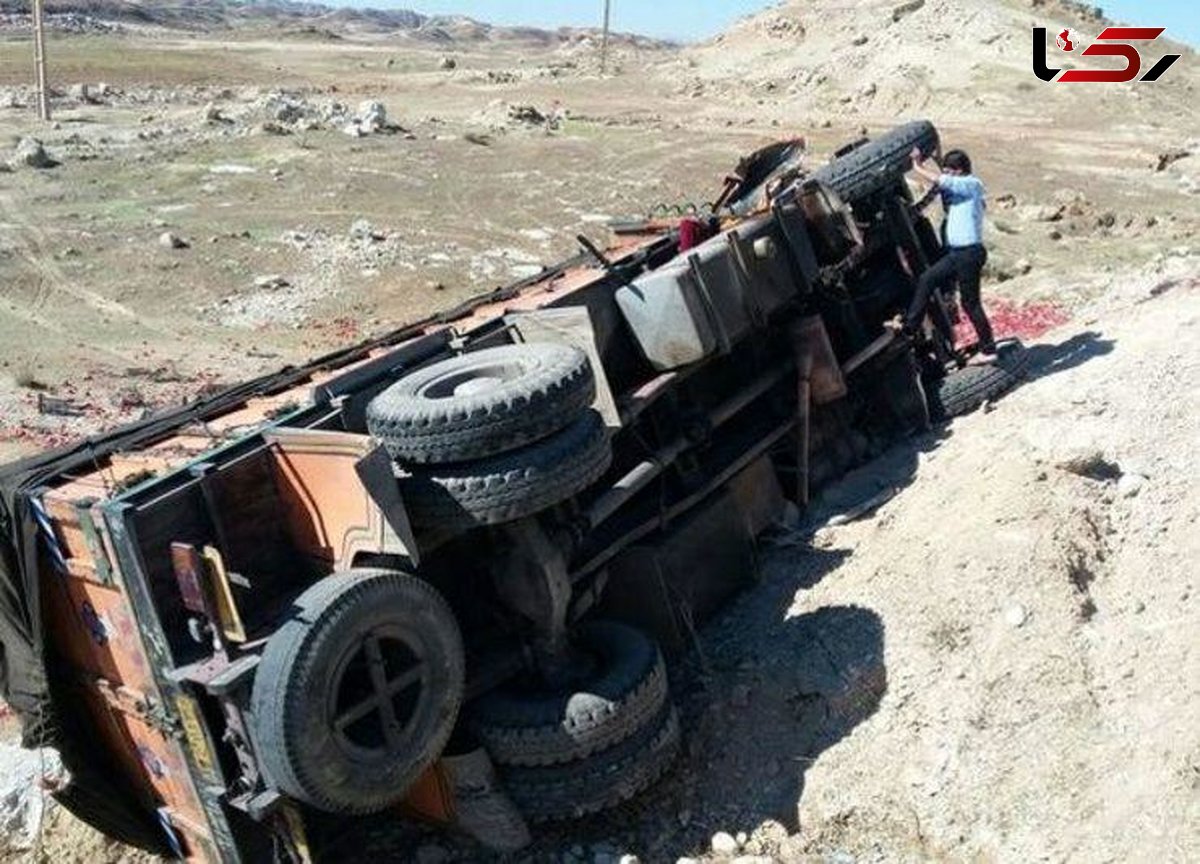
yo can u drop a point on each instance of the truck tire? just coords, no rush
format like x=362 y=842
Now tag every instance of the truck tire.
x=480 y=404
x=600 y=781
x=512 y=485
x=358 y=692
x=627 y=688
x=878 y=163
x=965 y=390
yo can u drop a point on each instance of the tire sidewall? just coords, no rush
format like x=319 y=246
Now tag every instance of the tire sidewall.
x=298 y=750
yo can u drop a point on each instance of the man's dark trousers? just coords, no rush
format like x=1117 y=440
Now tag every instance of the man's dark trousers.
x=963 y=264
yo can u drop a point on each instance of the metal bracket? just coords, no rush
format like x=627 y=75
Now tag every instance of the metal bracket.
x=91 y=537
x=710 y=307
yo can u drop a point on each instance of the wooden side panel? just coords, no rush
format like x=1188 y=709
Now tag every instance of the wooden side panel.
x=105 y=639
x=328 y=511
x=155 y=762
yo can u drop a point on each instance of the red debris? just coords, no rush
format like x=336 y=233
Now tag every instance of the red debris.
x=1024 y=321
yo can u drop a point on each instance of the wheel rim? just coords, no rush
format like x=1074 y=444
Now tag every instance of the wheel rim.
x=378 y=694
x=467 y=382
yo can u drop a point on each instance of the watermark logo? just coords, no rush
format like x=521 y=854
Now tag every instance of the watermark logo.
x=1066 y=40
x=1112 y=42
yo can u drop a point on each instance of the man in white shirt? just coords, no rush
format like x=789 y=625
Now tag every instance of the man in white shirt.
x=964 y=201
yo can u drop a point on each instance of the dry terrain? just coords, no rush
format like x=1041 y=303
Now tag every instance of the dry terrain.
x=996 y=665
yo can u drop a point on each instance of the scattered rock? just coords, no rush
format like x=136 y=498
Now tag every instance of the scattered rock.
x=526 y=114
x=272 y=282
x=860 y=39
x=1041 y=212
x=372 y=117
x=168 y=240
x=447 y=63
x=354 y=130
x=1016 y=616
x=213 y=117
x=32 y=154
x=1130 y=485
x=907 y=9
x=1023 y=266
x=723 y=844
x=364 y=230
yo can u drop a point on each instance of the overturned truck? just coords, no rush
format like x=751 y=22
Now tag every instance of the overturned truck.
x=437 y=573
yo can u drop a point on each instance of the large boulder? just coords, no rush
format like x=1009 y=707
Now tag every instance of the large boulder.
x=32 y=154
x=372 y=116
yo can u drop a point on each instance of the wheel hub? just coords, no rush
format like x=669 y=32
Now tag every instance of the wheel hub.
x=377 y=693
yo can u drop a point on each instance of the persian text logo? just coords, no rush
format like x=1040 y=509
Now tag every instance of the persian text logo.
x=1112 y=42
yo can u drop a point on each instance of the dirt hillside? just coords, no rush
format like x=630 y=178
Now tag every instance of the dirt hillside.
x=954 y=60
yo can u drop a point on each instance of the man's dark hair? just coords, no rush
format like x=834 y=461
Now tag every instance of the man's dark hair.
x=958 y=160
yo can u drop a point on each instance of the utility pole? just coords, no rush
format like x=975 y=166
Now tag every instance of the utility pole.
x=604 y=38
x=39 y=59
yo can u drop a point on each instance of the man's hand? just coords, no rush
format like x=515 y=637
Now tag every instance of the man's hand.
x=919 y=164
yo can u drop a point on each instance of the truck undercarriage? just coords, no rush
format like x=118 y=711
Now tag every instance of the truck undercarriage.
x=456 y=556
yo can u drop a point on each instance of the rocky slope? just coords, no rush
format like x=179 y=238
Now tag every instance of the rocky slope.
x=954 y=59
x=217 y=16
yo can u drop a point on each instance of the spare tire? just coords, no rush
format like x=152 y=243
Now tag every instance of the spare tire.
x=878 y=163
x=482 y=403
x=358 y=692
x=965 y=390
x=626 y=688
x=512 y=485
x=601 y=781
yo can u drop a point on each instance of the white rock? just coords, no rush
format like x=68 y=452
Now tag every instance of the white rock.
x=353 y=130
x=270 y=283
x=723 y=844
x=1130 y=485
x=372 y=116
x=167 y=240
x=212 y=114
x=1016 y=615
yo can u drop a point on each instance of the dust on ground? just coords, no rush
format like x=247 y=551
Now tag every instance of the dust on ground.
x=994 y=666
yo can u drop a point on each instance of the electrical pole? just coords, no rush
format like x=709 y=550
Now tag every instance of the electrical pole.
x=39 y=59
x=604 y=38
